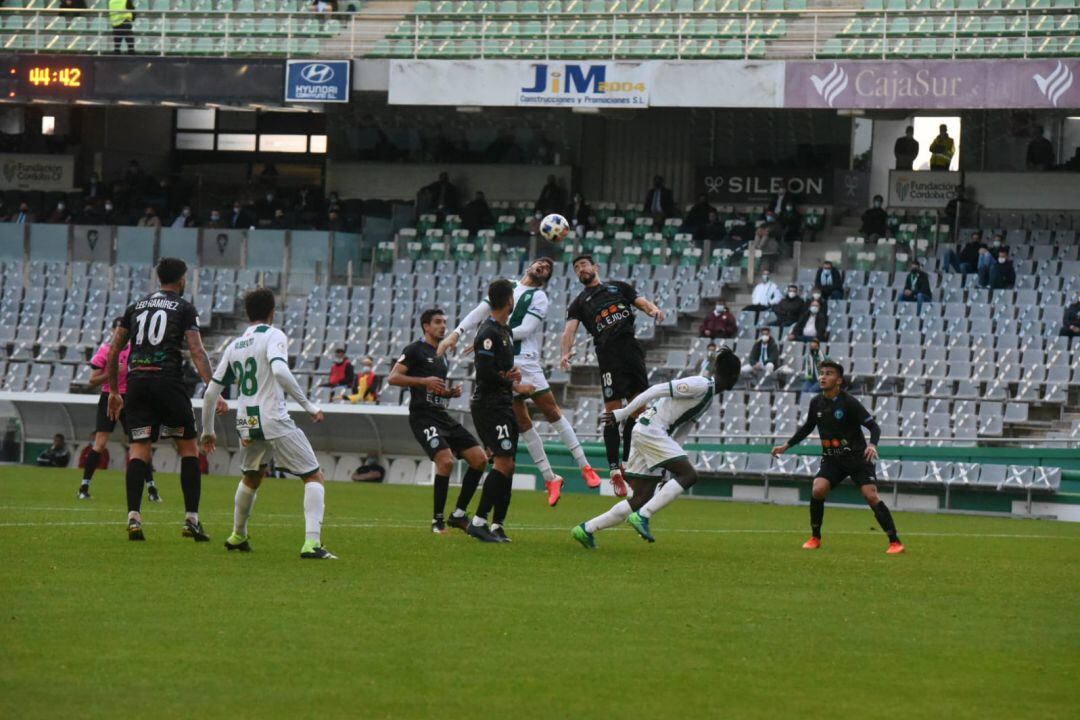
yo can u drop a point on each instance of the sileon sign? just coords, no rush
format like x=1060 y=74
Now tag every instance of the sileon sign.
x=748 y=185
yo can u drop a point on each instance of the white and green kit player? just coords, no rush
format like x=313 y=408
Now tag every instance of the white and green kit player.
x=257 y=362
x=527 y=324
x=671 y=409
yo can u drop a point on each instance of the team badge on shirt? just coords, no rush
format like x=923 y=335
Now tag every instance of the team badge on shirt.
x=838 y=414
x=487 y=344
x=506 y=444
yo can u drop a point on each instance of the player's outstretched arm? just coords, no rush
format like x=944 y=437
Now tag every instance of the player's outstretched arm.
x=288 y=383
x=649 y=308
x=112 y=368
x=800 y=435
x=656 y=391
x=529 y=324
x=468 y=323
x=567 y=343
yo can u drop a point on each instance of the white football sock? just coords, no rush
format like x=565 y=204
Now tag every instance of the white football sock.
x=536 y=452
x=314 y=504
x=616 y=515
x=479 y=521
x=663 y=497
x=570 y=440
x=458 y=512
x=242 y=505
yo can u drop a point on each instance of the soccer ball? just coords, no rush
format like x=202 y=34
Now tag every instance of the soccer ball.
x=554 y=228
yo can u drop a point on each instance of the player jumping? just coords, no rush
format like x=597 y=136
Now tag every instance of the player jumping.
x=258 y=362
x=157 y=406
x=840 y=418
x=527 y=324
x=422 y=371
x=670 y=409
x=104 y=425
x=607 y=310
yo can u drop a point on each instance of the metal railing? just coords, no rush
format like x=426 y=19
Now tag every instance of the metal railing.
x=684 y=35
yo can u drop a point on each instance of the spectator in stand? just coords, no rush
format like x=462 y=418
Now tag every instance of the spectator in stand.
x=986 y=262
x=906 y=150
x=966 y=261
x=334 y=221
x=875 y=221
x=238 y=219
x=817 y=295
x=324 y=6
x=659 y=202
x=764 y=357
x=367 y=384
x=765 y=295
x=1070 y=327
x=791 y=222
x=110 y=216
x=149 y=219
x=705 y=367
x=102 y=455
x=741 y=232
x=280 y=221
x=441 y=196
x=765 y=242
x=579 y=214
x=60 y=214
x=342 y=373
x=24 y=215
x=811 y=364
x=960 y=211
x=370 y=471
x=94 y=187
x=811 y=325
x=916 y=287
x=1003 y=272
x=185 y=219
x=552 y=198
x=57 y=455
x=790 y=309
x=720 y=323
x=698 y=214
x=831 y=281
x=215 y=220
x=998 y=244
x=779 y=201
x=122 y=19
x=477 y=215
x=266 y=207
x=712 y=230
x=1040 y=151
x=942 y=150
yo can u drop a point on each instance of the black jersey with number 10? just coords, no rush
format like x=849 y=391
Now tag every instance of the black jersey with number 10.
x=156 y=326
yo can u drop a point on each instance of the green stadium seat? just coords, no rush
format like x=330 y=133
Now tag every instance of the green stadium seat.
x=993 y=25
x=1068 y=25
x=830 y=49
x=874 y=5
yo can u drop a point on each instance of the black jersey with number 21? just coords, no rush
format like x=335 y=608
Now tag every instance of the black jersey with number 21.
x=156 y=326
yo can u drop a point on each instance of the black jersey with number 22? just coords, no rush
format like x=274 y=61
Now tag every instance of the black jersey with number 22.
x=606 y=310
x=156 y=326
x=422 y=361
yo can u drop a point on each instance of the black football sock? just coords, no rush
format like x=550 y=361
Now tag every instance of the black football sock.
x=817 y=514
x=136 y=471
x=611 y=444
x=502 y=500
x=190 y=483
x=490 y=495
x=150 y=475
x=442 y=487
x=627 y=428
x=92 y=459
x=469 y=483
x=884 y=518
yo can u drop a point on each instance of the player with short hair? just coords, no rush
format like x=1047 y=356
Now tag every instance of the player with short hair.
x=104 y=425
x=421 y=369
x=156 y=405
x=607 y=311
x=258 y=362
x=839 y=419
x=497 y=379
x=527 y=324
x=669 y=410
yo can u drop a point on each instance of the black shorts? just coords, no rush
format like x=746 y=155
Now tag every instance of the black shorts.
x=158 y=408
x=835 y=469
x=622 y=369
x=104 y=423
x=436 y=431
x=497 y=427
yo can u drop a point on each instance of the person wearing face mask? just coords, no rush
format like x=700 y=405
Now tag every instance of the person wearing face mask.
x=238 y=218
x=1070 y=326
x=766 y=244
x=790 y=308
x=817 y=296
x=831 y=281
x=811 y=325
x=215 y=221
x=916 y=287
x=720 y=323
x=184 y=219
x=791 y=222
x=764 y=357
x=998 y=243
x=875 y=221
x=23 y=215
x=705 y=367
x=766 y=294
x=811 y=366
x=60 y=214
x=366 y=383
x=966 y=260
x=149 y=219
x=342 y=373
x=109 y=215
x=265 y=207
x=1002 y=272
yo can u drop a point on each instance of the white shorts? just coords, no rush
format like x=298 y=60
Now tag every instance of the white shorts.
x=532 y=374
x=649 y=448
x=291 y=453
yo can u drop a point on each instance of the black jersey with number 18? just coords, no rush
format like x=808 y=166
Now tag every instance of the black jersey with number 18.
x=156 y=326
x=606 y=310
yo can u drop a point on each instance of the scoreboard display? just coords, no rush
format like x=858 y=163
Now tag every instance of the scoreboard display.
x=35 y=76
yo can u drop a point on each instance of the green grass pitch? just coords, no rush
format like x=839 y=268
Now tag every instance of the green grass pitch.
x=724 y=617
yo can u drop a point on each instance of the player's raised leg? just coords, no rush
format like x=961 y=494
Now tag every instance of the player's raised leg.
x=684 y=477
x=552 y=483
x=553 y=414
x=642 y=487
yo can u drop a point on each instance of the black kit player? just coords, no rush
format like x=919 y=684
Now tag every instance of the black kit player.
x=422 y=371
x=606 y=309
x=492 y=406
x=156 y=404
x=839 y=419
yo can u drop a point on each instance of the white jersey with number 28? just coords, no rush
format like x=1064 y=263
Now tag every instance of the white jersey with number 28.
x=260 y=413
